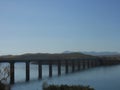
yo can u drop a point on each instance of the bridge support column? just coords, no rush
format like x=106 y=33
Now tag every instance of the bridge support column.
x=59 y=68
x=27 y=71
x=50 y=70
x=88 y=63
x=73 y=66
x=12 y=78
x=83 y=63
x=39 y=71
x=78 y=65
x=93 y=63
x=66 y=67
x=97 y=62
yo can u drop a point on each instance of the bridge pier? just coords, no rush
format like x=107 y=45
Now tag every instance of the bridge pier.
x=12 y=74
x=66 y=67
x=73 y=66
x=78 y=65
x=83 y=64
x=50 y=70
x=59 y=68
x=97 y=63
x=88 y=64
x=93 y=63
x=27 y=71
x=39 y=71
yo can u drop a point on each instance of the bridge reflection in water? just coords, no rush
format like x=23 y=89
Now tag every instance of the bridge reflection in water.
x=81 y=64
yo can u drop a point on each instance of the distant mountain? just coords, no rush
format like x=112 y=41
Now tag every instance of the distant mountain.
x=102 y=53
x=64 y=55
x=67 y=52
x=95 y=53
x=45 y=56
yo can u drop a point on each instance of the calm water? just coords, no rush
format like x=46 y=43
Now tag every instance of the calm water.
x=101 y=78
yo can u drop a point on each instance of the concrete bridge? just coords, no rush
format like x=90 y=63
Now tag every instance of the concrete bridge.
x=81 y=64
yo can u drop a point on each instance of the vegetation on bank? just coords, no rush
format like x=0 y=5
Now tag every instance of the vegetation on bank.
x=45 y=86
x=66 y=87
x=4 y=75
x=2 y=86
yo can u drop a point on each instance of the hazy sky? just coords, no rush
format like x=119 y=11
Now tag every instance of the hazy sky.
x=59 y=25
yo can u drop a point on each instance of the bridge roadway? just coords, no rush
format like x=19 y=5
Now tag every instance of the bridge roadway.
x=80 y=63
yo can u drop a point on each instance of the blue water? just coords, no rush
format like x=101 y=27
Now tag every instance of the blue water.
x=100 y=78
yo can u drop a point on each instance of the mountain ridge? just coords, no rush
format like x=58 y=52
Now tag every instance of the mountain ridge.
x=44 y=56
x=94 y=53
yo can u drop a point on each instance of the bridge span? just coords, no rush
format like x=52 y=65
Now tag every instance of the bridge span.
x=80 y=63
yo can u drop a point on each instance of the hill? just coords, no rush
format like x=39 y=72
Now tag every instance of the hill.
x=93 y=53
x=44 y=56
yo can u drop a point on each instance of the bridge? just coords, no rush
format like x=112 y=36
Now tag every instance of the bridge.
x=80 y=63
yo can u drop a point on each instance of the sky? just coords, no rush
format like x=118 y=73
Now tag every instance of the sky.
x=54 y=26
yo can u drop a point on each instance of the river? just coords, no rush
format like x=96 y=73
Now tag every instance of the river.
x=100 y=78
